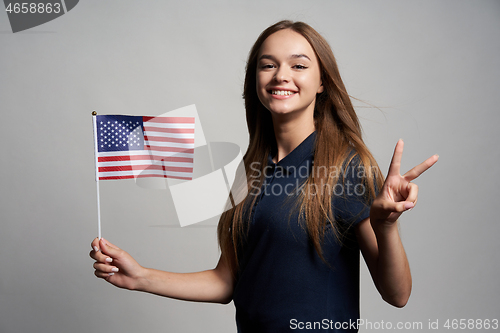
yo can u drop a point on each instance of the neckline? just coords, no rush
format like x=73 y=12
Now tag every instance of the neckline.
x=297 y=155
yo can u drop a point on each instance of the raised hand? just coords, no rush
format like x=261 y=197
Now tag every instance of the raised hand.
x=115 y=265
x=398 y=193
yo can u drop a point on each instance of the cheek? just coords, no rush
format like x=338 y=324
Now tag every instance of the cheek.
x=260 y=86
x=313 y=82
x=261 y=81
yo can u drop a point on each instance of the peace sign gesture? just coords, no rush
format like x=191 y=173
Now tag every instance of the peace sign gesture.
x=398 y=193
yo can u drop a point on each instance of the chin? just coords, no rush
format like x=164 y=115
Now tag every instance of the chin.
x=279 y=111
x=283 y=114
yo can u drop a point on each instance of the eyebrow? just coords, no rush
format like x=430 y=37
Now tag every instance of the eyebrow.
x=293 y=56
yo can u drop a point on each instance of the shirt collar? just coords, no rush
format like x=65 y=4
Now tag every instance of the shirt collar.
x=297 y=156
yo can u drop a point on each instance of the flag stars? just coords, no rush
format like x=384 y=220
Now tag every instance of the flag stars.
x=120 y=133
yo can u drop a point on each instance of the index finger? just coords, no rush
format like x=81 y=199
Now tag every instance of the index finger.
x=421 y=168
x=396 y=159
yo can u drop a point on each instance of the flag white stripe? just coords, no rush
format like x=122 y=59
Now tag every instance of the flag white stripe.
x=169 y=144
x=167 y=125
x=170 y=135
x=145 y=152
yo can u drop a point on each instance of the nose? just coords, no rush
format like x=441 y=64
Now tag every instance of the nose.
x=282 y=75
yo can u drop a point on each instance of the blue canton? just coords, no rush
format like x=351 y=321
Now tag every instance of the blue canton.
x=120 y=133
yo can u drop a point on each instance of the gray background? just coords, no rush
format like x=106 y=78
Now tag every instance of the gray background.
x=431 y=68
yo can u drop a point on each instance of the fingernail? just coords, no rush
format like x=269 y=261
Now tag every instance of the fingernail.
x=114 y=269
x=409 y=205
x=109 y=259
x=111 y=274
x=96 y=249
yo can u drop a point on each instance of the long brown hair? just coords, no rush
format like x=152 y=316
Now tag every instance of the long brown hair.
x=338 y=133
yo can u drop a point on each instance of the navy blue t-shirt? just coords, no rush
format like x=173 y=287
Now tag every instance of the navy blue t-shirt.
x=282 y=284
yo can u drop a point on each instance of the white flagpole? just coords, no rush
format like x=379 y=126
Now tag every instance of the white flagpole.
x=94 y=114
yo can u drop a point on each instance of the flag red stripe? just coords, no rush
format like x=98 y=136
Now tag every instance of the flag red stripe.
x=169 y=120
x=165 y=176
x=143 y=168
x=143 y=176
x=151 y=128
x=145 y=157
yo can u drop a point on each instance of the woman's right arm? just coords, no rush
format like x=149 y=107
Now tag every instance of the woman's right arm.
x=120 y=269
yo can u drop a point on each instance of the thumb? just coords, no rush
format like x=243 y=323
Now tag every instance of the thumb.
x=403 y=206
x=108 y=248
x=398 y=207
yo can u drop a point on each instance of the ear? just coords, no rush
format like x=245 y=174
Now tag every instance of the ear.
x=320 y=89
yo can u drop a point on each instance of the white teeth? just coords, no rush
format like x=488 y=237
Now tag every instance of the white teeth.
x=282 y=92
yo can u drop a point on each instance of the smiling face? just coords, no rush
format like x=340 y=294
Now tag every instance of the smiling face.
x=288 y=74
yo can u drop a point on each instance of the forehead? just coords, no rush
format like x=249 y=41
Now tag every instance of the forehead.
x=285 y=43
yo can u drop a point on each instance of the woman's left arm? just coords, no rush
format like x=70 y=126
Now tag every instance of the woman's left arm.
x=378 y=236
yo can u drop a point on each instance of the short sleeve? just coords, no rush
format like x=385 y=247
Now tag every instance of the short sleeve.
x=351 y=197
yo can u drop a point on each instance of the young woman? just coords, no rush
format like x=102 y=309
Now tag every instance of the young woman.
x=290 y=250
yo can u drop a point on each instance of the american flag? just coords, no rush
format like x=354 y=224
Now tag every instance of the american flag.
x=135 y=146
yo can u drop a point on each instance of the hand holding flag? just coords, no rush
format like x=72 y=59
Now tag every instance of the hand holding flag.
x=115 y=265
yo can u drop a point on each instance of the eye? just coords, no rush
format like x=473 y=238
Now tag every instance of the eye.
x=299 y=67
x=267 y=66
